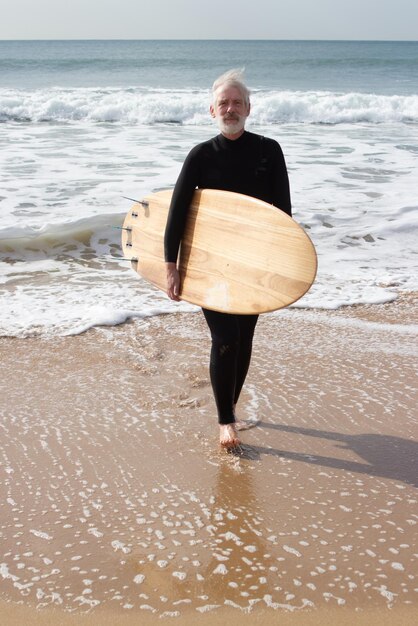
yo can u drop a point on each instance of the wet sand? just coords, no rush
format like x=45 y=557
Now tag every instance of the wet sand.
x=117 y=505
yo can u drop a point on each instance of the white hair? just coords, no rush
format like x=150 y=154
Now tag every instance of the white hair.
x=232 y=78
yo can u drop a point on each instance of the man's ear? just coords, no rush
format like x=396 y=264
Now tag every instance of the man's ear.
x=212 y=110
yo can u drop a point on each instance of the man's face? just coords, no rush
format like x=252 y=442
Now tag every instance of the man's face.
x=230 y=110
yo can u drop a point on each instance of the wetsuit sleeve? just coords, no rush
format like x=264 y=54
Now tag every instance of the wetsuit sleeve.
x=179 y=206
x=280 y=181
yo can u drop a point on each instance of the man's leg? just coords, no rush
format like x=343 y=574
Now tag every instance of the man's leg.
x=223 y=361
x=247 y=324
x=230 y=358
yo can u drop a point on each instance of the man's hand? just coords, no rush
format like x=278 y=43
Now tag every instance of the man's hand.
x=173 y=281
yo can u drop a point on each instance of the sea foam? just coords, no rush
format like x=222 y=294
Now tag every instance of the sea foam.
x=189 y=107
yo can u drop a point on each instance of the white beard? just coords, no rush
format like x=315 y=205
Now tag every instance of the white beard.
x=231 y=127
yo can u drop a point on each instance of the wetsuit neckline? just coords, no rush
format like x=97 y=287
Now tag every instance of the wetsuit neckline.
x=224 y=141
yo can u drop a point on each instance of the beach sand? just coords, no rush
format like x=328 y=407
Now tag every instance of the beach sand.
x=118 y=507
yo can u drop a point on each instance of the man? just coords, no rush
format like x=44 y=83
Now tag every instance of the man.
x=246 y=163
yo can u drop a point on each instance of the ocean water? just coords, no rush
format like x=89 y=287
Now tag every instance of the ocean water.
x=83 y=124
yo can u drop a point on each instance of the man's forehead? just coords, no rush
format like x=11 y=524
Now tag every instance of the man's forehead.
x=229 y=92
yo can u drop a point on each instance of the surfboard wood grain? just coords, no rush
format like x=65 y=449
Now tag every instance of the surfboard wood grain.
x=238 y=254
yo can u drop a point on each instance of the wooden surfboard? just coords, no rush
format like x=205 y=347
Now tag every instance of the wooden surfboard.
x=238 y=254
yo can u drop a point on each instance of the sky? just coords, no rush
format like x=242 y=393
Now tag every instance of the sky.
x=210 y=19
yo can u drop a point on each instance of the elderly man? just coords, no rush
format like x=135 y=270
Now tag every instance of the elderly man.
x=240 y=161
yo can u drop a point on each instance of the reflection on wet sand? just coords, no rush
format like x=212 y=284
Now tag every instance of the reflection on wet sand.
x=239 y=562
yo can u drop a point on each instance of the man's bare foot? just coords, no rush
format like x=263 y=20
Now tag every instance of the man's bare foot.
x=228 y=437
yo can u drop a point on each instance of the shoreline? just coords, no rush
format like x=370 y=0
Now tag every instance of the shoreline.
x=117 y=502
x=17 y=614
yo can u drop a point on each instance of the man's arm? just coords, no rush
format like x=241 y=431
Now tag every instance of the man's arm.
x=179 y=206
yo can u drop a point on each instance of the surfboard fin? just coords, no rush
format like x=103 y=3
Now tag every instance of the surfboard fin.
x=144 y=204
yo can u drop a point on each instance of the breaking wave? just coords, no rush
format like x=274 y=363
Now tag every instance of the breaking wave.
x=190 y=107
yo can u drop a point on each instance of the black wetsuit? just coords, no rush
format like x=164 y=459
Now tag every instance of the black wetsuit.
x=252 y=165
